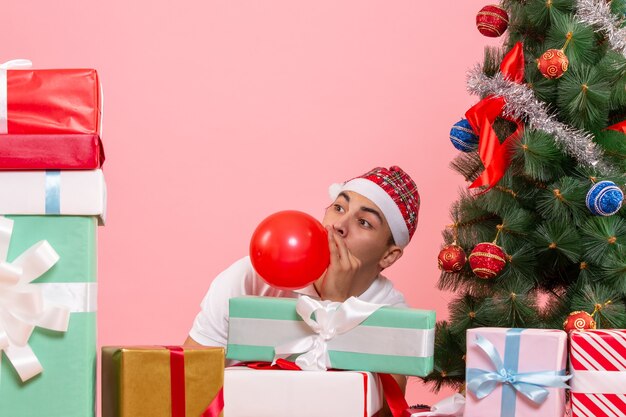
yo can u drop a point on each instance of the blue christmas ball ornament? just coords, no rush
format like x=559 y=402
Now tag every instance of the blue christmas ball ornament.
x=463 y=137
x=604 y=198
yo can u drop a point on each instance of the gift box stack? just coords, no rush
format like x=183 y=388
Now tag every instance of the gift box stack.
x=53 y=198
x=305 y=337
x=309 y=341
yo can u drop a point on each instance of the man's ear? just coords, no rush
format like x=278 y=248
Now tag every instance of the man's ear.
x=391 y=255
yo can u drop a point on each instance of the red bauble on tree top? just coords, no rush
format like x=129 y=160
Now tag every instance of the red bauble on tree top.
x=492 y=21
x=579 y=320
x=451 y=258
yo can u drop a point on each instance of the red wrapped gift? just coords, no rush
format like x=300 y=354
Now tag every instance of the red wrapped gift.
x=52 y=101
x=33 y=152
x=598 y=366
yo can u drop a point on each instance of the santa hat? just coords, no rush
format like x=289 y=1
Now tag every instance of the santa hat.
x=395 y=194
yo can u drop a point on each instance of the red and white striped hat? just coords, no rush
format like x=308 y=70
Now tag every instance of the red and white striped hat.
x=395 y=194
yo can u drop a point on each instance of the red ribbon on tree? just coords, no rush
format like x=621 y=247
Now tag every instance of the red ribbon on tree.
x=177 y=383
x=620 y=127
x=496 y=156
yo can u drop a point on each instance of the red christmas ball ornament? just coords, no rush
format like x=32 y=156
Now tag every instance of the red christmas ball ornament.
x=579 y=320
x=492 y=21
x=553 y=63
x=451 y=258
x=487 y=260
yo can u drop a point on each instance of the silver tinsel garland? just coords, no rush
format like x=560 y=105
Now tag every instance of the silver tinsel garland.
x=522 y=104
x=597 y=13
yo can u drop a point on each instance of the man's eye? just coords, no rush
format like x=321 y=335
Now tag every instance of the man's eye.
x=365 y=223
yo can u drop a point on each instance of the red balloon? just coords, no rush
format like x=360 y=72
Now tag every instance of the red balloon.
x=289 y=249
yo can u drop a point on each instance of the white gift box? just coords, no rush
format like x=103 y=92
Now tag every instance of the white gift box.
x=75 y=193
x=274 y=393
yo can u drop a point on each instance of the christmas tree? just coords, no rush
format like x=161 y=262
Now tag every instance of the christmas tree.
x=544 y=151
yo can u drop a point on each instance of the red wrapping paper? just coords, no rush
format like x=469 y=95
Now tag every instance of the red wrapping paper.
x=598 y=365
x=34 y=152
x=57 y=101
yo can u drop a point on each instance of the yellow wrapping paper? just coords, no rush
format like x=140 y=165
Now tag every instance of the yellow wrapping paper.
x=136 y=380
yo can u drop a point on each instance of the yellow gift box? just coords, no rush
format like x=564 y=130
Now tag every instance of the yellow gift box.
x=162 y=381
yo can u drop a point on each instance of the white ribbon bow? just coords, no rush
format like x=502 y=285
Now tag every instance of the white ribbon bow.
x=327 y=319
x=16 y=64
x=22 y=304
x=13 y=64
x=451 y=406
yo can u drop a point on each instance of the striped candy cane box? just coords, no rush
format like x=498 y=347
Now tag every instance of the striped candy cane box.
x=598 y=366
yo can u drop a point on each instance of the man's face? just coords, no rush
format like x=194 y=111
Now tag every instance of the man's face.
x=362 y=226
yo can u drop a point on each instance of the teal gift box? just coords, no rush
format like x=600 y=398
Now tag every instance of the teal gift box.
x=388 y=340
x=66 y=385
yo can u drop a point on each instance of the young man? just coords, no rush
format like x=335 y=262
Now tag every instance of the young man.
x=370 y=221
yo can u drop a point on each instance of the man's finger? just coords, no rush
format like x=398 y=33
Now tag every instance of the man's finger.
x=332 y=245
x=343 y=251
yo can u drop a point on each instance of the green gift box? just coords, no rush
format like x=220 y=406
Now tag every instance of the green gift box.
x=66 y=385
x=320 y=335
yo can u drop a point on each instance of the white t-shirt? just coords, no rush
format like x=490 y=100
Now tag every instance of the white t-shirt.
x=210 y=328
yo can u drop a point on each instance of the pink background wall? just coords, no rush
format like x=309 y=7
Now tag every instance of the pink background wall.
x=219 y=113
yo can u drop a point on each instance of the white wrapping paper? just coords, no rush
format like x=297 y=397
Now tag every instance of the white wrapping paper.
x=78 y=193
x=274 y=393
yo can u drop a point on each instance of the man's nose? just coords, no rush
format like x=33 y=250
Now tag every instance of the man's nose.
x=341 y=227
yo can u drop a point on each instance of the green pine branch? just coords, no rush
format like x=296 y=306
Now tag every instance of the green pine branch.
x=449 y=367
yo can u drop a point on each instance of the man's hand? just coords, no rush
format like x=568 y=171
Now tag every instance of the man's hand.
x=338 y=281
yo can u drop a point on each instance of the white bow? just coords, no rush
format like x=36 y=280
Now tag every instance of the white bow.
x=327 y=319
x=16 y=64
x=13 y=64
x=22 y=304
x=451 y=406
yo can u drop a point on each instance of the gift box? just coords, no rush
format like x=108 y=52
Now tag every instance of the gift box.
x=67 y=152
x=162 y=381
x=49 y=101
x=515 y=372
x=48 y=280
x=598 y=368
x=353 y=335
x=271 y=393
x=81 y=193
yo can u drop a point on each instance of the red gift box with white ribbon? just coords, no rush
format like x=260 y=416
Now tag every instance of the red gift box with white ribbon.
x=598 y=366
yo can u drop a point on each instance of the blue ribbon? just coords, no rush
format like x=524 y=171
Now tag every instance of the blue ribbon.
x=530 y=384
x=53 y=192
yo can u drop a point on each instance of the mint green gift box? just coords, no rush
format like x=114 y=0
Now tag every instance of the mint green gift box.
x=66 y=387
x=391 y=340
